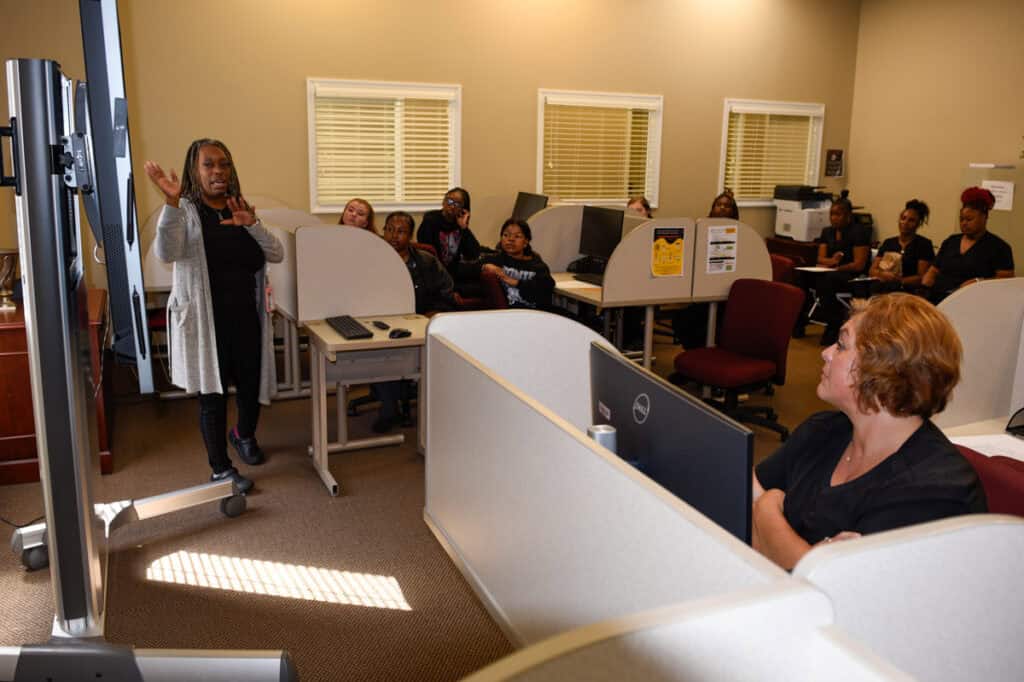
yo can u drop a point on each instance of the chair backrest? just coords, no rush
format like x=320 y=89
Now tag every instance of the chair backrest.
x=1002 y=478
x=783 y=269
x=493 y=293
x=759 y=321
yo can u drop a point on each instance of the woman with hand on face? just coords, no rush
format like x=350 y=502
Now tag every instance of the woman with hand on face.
x=447 y=230
x=973 y=255
x=523 y=275
x=217 y=325
x=909 y=254
x=358 y=213
x=878 y=462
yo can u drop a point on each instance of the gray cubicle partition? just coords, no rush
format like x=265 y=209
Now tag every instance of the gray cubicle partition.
x=556 y=233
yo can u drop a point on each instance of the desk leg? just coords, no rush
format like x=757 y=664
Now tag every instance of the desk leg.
x=289 y=378
x=317 y=370
x=710 y=338
x=292 y=365
x=343 y=444
x=648 y=335
x=620 y=317
x=421 y=404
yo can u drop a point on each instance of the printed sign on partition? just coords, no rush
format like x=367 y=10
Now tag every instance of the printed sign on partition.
x=667 y=252
x=722 y=248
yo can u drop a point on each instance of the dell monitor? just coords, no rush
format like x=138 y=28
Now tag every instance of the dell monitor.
x=600 y=231
x=696 y=453
x=527 y=204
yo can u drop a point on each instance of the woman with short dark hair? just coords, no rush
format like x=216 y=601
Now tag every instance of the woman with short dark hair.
x=973 y=255
x=878 y=462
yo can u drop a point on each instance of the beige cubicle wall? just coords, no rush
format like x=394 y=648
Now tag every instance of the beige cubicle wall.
x=284 y=222
x=552 y=530
x=751 y=253
x=556 y=233
x=941 y=600
x=989 y=317
x=779 y=632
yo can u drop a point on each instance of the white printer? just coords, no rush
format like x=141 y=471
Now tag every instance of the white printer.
x=801 y=212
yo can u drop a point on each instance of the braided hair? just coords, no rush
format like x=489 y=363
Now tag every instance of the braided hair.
x=918 y=207
x=844 y=201
x=191 y=188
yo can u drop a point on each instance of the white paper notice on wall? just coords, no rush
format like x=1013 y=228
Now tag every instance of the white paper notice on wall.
x=1003 y=192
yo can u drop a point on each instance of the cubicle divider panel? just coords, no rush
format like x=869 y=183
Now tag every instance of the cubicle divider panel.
x=629 y=278
x=556 y=235
x=552 y=530
x=941 y=600
x=988 y=316
x=722 y=256
x=344 y=271
x=1017 y=395
x=779 y=632
x=545 y=356
x=283 y=222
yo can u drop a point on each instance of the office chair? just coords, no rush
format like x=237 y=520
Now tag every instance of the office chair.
x=750 y=354
x=1002 y=478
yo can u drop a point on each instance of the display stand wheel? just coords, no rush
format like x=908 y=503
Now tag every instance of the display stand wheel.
x=233 y=506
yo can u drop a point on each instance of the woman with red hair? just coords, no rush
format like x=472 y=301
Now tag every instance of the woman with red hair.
x=973 y=255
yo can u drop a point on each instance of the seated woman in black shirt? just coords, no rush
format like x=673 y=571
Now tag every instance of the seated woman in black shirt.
x=973 y=255
x=524 y=276
x=902 y=260
x=879 y=462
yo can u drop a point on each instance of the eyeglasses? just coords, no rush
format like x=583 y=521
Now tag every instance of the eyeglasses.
x=455 y=203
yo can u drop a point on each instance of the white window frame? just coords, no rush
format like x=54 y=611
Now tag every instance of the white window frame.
x=386 y=90
x=581 y=98
x=816 y=112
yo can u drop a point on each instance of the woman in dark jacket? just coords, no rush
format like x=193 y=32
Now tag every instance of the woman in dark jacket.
x=524 y=276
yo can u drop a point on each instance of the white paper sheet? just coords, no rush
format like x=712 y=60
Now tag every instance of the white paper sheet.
x=996 y=444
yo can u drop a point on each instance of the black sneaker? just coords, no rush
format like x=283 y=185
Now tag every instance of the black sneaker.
x=248 y=449
x=242 y=484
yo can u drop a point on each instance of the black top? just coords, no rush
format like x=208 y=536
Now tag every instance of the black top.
x=431 y=283
x=919 y=249
x=233 y=258
x=853 y=235
x=452 y=243
x=535 y=281
x=925 y=479
x=989 y=253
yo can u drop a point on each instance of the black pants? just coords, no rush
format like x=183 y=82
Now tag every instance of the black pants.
x=238 y=357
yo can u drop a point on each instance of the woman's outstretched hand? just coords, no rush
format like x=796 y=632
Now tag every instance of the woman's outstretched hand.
x=168 y=184
x=242 y=214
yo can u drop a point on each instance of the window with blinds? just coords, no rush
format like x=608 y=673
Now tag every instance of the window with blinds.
x=395 y=145
x=765 y=144
x=598 y=148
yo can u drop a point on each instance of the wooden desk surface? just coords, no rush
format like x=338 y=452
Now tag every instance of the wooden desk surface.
x=329 y=341
x=568 y=286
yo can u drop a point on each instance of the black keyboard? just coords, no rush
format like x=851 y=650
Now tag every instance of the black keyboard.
x=349 y=327
x=589 y=278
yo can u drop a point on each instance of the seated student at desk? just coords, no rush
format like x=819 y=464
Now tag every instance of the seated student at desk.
x=447 y=230
x=523 y=274
x=847 y=248
x=879 y=462
x=358 y=213
x=434 y=293
x=973 y=255
x=639 y=206
x=902 y=260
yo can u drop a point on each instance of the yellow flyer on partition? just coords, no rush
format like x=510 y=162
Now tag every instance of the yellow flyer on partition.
x=667 y=252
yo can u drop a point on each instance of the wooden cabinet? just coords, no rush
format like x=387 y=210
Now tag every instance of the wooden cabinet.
x=18 y=455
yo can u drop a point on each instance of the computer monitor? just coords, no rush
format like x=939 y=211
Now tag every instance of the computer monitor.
x=527 y=204
x=600 y=231
x=694 y=452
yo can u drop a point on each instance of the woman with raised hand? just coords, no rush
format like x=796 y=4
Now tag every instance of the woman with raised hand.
x=218 y=327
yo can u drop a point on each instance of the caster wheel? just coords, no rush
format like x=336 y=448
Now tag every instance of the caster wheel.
x=233 y=506
x=35 y=558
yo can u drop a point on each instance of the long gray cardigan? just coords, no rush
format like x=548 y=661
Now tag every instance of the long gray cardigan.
x=191 y=337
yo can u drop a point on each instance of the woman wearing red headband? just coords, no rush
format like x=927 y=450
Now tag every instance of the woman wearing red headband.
x=973 y=255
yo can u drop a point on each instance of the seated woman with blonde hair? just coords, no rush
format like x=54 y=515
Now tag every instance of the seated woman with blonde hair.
x=358 y=213
x=878 y=462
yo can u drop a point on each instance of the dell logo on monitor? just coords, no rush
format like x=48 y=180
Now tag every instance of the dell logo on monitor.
x=641 y=408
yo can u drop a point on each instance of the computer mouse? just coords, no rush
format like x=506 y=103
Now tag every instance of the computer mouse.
x=399 y=333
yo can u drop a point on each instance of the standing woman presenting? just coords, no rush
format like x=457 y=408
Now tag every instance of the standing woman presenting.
x=218 y=331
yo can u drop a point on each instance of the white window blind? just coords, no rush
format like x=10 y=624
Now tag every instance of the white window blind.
x=599 y=148
x=767 y=144
x=395 y=145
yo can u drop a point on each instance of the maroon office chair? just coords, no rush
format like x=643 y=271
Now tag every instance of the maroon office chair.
x=493 y=293
x=461 y=302
x=1002 y=478
x=750 y=354
x=783 y=269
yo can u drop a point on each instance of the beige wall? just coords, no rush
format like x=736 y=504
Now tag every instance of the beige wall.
x=237 y=70
x=939 y=84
